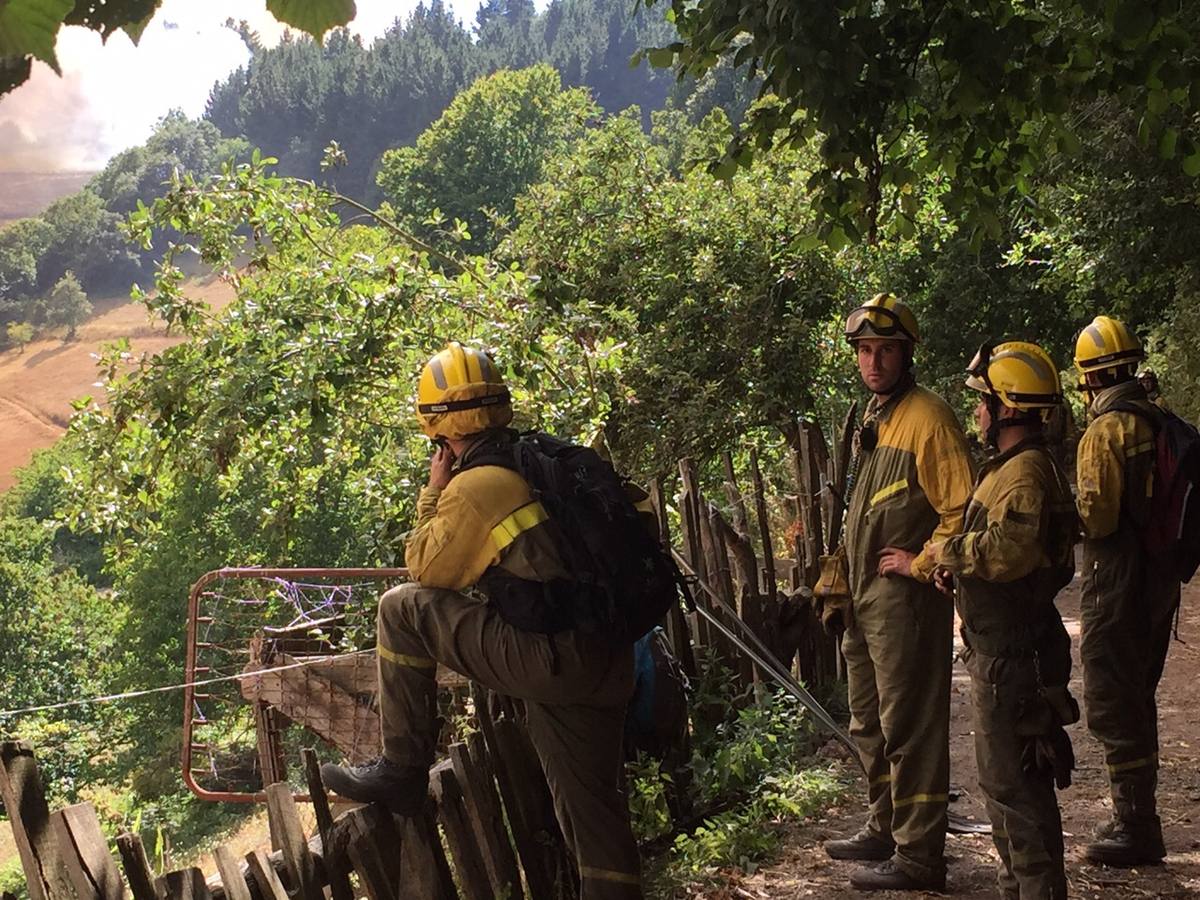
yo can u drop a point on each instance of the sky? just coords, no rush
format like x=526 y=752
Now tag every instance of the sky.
x=110 y=95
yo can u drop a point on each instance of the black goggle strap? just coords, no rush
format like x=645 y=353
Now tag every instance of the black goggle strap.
x=459 y=405
x=860 y=318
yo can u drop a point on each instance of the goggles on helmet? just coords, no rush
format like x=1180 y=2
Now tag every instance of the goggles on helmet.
x=864 y=317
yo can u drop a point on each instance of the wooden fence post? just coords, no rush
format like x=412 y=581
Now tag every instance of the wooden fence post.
x=678 y=631
x=91 y=868
x=142 y=883
x=25 y=802
x=337 y=871
x=483 y=807
x=285 y=818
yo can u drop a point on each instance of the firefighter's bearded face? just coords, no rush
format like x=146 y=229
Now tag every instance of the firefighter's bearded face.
x=881 y=363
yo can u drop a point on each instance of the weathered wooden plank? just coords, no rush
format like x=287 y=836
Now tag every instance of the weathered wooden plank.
x=230 y=871
x=336 y=865
x=377 y=866
x=693 y=552
x=185 y=884
x=142 y=883
x=770 y=588
x=25 y=803
x=461 y=836
x=503 y=750
x=266 y=879
x=91 y=868
x=424 y=871
x=285 y=818
x=678 y=631
x=483 y=809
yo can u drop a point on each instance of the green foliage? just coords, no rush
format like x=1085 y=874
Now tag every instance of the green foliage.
x=897 y=91
x=486 y=149
x=67 y=304
x=708 y=318
x=18 y=334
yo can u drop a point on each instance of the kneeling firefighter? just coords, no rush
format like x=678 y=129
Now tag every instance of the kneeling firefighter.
x=552 y=630
x=1013 y=556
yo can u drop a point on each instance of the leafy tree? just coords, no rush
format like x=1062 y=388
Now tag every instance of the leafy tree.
x=891 y=92
x=486 y=149
x=706 y=318
x=67 y=304
x=22 y=244
x=84 y=237
x=19 y=333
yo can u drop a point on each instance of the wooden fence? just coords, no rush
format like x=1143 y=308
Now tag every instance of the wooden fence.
x=489 y=829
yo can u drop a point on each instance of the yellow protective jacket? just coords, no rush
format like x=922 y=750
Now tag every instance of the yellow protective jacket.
x=910 y=490
x=1015 y=552
x=485 y=517
x=1115 y=463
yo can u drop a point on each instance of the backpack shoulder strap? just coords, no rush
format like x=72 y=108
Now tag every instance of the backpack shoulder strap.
x=1154 y=417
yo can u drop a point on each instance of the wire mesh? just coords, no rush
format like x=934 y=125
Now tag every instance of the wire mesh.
x=305 y=638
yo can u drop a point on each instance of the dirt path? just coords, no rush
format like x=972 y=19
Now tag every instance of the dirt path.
x=803 y=870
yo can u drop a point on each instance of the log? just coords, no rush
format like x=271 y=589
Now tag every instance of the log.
x=25 y=802
x=487 y=819
x=91 y=868
x=337 y=869
x=285 y=822
x=142 y=883
x=232 y=879
x=461 y=836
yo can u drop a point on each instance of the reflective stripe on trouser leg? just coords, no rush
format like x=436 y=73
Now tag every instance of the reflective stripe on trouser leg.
x=581 y=750
x=907 y=627
x=864 y=729
x=1023 y=808
x=408 y=721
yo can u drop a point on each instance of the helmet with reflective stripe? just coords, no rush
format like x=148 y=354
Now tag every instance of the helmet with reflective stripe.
x=1019 y=374
x=883 y=316
x=1106 y=344
x=461 y=393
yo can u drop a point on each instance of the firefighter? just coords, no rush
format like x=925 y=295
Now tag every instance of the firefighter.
x=1148 y=379
x=1015 y=552
x=910 y=480
x=1127 y=603
x=576 y=683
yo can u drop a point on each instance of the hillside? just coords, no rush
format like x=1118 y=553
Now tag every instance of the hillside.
x=38 y=385
x=24 y=194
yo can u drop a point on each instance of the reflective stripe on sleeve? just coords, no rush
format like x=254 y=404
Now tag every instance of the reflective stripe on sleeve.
x=1143 y=447
x=884 y=492
x=514 y=523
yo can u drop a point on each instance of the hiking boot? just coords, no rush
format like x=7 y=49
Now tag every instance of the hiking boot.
x=866 y=845
x=403 y=789
x=1123 y=845
x=887 y=876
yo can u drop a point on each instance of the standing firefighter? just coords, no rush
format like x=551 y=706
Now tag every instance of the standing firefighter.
x=1127 y=602
x=1015 y=553
x=910 y=480
x=545 y=633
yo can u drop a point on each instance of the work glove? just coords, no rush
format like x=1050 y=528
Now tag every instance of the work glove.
x=1049 y=755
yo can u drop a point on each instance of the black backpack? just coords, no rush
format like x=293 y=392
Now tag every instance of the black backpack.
x=1172 y=533
x=622 y=579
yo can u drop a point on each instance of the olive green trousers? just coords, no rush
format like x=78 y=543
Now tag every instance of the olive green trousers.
x=1022 y=806
x=575 y=696
x=899 y=654
x=1126 y=609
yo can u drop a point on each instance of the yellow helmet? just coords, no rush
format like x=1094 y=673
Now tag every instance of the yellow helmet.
x=1019 y=374
x=461 y=393
x=883 y=316
x=1106 y=344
